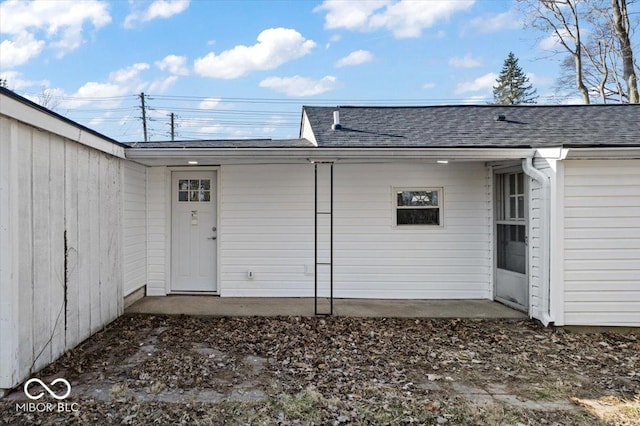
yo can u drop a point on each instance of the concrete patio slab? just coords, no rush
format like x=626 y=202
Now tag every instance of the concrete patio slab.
x=232 y=306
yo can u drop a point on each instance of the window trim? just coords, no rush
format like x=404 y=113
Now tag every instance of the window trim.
x=395 y=207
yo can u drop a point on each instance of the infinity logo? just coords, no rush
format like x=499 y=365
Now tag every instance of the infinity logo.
x=47 y=388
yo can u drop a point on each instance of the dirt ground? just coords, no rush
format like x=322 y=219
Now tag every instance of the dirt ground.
x=145 y=369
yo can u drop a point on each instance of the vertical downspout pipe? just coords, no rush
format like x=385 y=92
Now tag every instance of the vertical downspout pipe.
x=545 y=220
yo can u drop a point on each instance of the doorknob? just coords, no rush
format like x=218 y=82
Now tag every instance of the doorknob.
x=212 y=238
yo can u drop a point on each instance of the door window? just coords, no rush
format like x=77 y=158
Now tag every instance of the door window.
x=194 y=190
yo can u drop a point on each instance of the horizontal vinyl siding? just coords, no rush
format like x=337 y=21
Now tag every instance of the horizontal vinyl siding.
x=602 y=242
x=266 y=226
x=157 y=240
x=375 y=259
x=134 y=227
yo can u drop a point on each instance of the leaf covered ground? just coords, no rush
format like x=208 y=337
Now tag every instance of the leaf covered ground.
x=145 y=369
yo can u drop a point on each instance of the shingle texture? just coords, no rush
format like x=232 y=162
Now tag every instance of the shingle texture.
x=477 y=126
x=230 y=144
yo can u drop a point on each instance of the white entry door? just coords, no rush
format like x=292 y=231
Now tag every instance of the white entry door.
x=193 y=231
x=512 y=285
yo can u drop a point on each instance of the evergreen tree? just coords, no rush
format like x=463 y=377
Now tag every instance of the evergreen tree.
x=513 y=87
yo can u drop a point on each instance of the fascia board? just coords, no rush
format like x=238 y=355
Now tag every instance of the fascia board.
x=19 y=111
x=603 y=153
x=478 y=154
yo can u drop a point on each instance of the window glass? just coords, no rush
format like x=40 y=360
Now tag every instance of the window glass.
x=512 y=248
x=194 y=190
x=520 y=206
x=418 y=217
x=520 y=187
x=418 y=207
x=417 y=198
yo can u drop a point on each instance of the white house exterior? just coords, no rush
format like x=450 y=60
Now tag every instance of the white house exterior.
x=535 y=207
x=61 y=234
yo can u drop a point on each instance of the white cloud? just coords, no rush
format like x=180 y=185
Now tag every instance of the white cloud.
x=120 y=83
x=99 y=120
x=174 y=64
x=467 y=61
x=484 y=82
x=539 y=80
x=127 y=74
x=476 y=100
x=508 y=20
x=162 y=84
x=157 y=9
x=404 y=18
x=352 y=15
x=355 y=58
x=19 y=51
x=552 y=42
x=209 y=103
x=427 y=86
x=16 y=82
x=273 y=124
x=50 y=16
x=58 y=24
x=275 y=46
x=300 y=86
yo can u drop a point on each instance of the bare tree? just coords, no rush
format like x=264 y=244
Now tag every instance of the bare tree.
x=622 y=27
x=561 y=18
x=597 y=36
x=47 y=99
x=600 y=68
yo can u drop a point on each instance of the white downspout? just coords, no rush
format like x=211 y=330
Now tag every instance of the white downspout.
x=545 y=218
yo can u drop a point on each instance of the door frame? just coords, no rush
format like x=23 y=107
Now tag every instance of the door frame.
x=499 y=170
x=168 y=214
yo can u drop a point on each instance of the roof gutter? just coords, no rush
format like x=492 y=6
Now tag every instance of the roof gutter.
x=545 y=220
x=475 y=154
x=598 y=153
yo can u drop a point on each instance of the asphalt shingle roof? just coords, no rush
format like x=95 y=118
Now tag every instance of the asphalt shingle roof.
x=477 y=126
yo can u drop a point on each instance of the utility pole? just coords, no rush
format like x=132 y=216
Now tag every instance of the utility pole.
x=173 y=133
x=144 y=116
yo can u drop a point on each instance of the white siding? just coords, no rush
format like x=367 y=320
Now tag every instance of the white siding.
x=9 y=295
x=157 y=223
x=536 y=210
x=375 y=259
x=134 y=227
x=602 y=242
x=266 y=226
x=67 y=280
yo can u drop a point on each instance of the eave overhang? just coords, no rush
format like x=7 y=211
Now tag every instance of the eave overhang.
x=218 y=156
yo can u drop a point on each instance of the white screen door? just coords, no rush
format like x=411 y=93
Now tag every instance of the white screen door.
x=512 y=285
x=193 y=231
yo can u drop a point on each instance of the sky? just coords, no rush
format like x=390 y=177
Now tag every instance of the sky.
x=244 y=69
